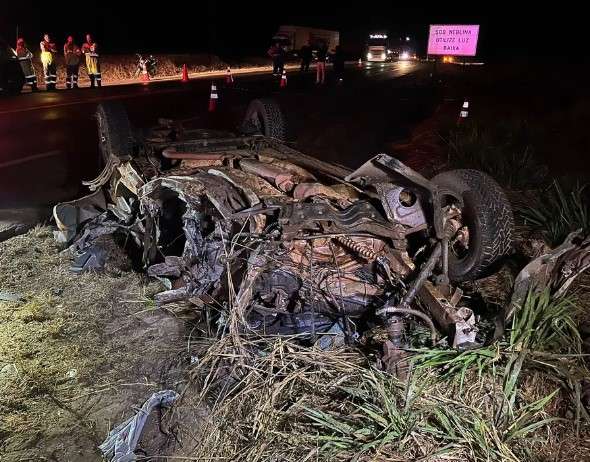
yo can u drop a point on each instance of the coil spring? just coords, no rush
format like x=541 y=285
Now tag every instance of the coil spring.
x=356 y=247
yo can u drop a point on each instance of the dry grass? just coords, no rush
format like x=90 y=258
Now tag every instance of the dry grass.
x=124 y=67
x=280 y=401
x=66 y=350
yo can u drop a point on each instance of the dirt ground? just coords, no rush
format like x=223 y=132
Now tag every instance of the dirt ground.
x=78 y=353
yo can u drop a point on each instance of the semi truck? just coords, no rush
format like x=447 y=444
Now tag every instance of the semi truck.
x=378 y=48
x=381 y=48
x=292 y=38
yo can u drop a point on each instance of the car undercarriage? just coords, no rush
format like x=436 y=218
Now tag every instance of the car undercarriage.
x=242 y=223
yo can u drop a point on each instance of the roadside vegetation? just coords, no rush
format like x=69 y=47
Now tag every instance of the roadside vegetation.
x=73 y=351
x=558 y=210
x=124 y=67
x=519 y=399
x=505 y=150
x=545 y=206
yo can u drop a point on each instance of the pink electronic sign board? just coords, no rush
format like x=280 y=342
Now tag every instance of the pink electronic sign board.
x=453 y=40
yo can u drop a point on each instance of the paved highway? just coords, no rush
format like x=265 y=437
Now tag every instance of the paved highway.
x=48 y=141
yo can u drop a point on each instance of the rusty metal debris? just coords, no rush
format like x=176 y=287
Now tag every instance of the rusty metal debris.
x=292 y=244
x=554 y=270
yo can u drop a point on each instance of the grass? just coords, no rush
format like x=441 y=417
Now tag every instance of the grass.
x=124 y=67
x=504 y=402
x=504 y=150
x=559 y=211
x=66 y=346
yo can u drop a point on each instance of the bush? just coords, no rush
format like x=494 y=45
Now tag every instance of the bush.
x=505 y=151
x=559 y=211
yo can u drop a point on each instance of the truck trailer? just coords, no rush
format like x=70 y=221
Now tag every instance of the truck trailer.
x=292 y=38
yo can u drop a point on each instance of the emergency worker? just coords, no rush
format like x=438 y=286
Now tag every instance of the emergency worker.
x=25 y=58
x=72 y=55
x=48 y=52
x=90 y=51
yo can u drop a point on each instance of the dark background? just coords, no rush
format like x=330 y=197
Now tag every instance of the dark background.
x=232 y=28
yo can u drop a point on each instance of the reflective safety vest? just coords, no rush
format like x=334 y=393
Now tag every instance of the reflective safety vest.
x=47 y=50
x=25 y=57
x=90 y=51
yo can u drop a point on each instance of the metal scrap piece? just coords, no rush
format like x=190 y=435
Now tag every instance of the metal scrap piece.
x=122 y=440
x=284 y=180
x=70 y=215
x=360 y=217
x=555 y=270
x=456 y=322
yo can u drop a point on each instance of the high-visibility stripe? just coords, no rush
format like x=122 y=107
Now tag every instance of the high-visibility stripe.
x=214 y=96
x=30 y=76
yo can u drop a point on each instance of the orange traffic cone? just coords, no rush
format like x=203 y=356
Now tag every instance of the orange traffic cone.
x=145 y=77
x=360 y=63
x=284 y=79
x=213 y=98
x=185 y=78
x=229 y=78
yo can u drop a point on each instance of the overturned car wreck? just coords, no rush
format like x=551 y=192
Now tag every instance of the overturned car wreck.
x=296 y=245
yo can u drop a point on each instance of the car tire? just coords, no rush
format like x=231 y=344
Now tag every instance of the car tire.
x=488 y=216
x=265 y=117
x=114 y=132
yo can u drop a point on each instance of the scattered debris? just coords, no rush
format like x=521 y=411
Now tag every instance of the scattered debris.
x=554 y=271
x=123 y=439
x=10 y=297
x=271 y=241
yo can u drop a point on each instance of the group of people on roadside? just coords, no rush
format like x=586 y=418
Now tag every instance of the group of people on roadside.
x=278 y=54
x=72 y=58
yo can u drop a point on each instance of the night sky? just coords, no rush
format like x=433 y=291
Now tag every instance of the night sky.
x=233 y=28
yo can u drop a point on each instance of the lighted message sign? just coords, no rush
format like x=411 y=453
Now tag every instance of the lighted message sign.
x=454 y=40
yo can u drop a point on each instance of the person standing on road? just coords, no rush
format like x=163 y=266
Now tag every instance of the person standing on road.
x=25 y=58
x=48 y=51
x=90 y=50
x=338 y=64
x=321 y=66
x=306 y=57
x=277 y=55
x=72 y=57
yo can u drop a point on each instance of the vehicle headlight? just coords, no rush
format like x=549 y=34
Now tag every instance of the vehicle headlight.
x=369 y=55
x=405 y=55
x=383 y=55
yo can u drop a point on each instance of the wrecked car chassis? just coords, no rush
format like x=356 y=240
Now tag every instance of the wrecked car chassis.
x=292 y=244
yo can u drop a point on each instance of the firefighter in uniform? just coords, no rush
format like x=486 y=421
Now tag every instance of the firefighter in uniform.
x=48 y=51
x=72 y=57
x=90 y=50
x=25 y=58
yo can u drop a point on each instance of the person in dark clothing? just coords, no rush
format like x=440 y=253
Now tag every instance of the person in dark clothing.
x=338 y=64
x=277 y=53
x=306 y=57
x=322 y=54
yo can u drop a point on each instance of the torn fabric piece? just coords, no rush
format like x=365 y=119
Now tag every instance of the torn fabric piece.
x=123 y=439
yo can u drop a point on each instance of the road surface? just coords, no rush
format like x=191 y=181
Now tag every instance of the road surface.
x=48 y=141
